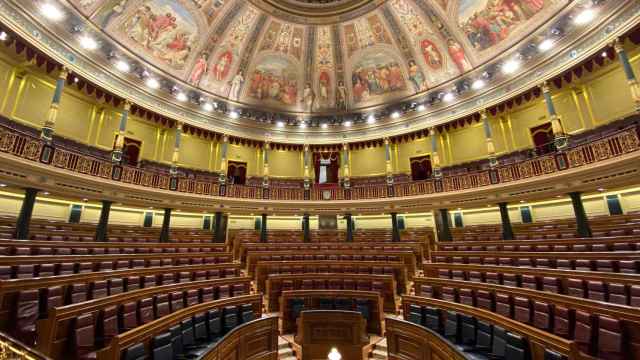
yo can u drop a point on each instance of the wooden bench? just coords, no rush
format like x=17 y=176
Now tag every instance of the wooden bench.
x=276 y=284
x=539 y=308
x=143 y=334
x=241 y=249
x=536 y=245
x=53 y=331
x=37 y=247
x=406 y=340
x=538 y=340
x=397 y=269
x=311 y=299
x=9 y=289
x=407 y=257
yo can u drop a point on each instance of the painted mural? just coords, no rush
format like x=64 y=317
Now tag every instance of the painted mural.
x=235 y=50
x=376 y=75
x=488 y=22
x=162 y=29
x=274 y=80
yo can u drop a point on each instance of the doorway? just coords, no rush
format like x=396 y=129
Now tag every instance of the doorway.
x=131 y=151
x=420 y=167
x=237 y=172
x=542 y=136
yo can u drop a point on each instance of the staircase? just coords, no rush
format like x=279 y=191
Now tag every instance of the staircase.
x=285 y=352
x=379 y=350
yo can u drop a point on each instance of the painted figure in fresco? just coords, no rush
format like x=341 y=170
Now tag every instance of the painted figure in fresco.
x=108 y=11
x=221 y=68
x=236 y=86
x=431 y=54
x=457 y=55
x=341 y=96
x=274 y=79
x=308 y=97
x=161 y=32
x=488 y=23
x=199 y=70
x=323 y=87
x=416 y=76
x=375 y=76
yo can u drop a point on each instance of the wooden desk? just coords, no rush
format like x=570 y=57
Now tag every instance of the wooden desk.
x=408 y=341
x=321 y=330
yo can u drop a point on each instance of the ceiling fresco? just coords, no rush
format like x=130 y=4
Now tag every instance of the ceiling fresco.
x=395 y=49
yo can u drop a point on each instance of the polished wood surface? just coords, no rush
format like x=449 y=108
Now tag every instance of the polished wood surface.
x=255 y=340
x=408 y=341
x=144 y=333
x=311 y=299
x=253 y=257
x=321 y=330
x=274 y=286
x=539 y=340
x=588 y=255
x=266 y=268
x=56 y=259
x=186 y=246
x=53 y=331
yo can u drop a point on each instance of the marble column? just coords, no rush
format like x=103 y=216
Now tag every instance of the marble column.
x=582 y=221
x=24 y=218
x=435 y=158
x=306 y=231
x=395 y=235
x=103 y=224
x=176 y=149
x=224 y=147
x=349 y=220
x=346 y=171
x=442 y=225
x=507 y=230
x=166 y=223
x=265 y=165
x=263 y=229
x=488 y=134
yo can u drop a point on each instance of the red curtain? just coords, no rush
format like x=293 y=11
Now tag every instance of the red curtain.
x=332 y=169
x=420 y=168
x=237 y=172
x=542 y=137
x=131 y=151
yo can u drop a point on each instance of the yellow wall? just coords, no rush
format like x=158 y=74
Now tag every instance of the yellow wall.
x=594 y=100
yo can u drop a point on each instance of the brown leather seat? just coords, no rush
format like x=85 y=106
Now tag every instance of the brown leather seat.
x=146 y=311
x=584 y=332
x=84 y=337
x=77 y=293
x=596 y=290
x=542 y=315
x=503 y=304
x=26 y=316
x=610 y=339
x=128 y=316
x=522 y=309
x=107 y=325
x=161 y=305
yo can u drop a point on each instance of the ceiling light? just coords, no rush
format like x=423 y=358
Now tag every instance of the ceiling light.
x=371 y=119
x=584 y=17
x=51 y=12
x=604 y=54
x=153 y=83
x=3 y=185
x=395 y=115
x=88 y=43
x=122 y=66
x=547 y=44
x=303 y=125
x=207 y=106
x=280 y=124
x=334 y=355
x=478 y=84
x=75 y=79
x=421 y=107
x=324 y=125
x=181 y=97
x=510 y=66
x=45 y=193
x=601 y=189
x=347 y=123
x=234 y=114
x=3 y=36
x=521 y=201
x=85 y=200
x=448 y=97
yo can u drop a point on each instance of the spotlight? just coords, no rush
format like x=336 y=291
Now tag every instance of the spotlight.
x=182 y=97
x=51 y=12
x=347 y=123
x=207 y=106
x=510 y=66
x=334 y=355
x=303 y=125
x=371 y=119
x=604 y=54
x=3 y=185
x=280 y=124
x=324 y=125
x=478 y=84
x=547 y=44
x=448 y=97
x=88 y=43
x=153 y=83
x=45 y=193
x=421 y=107
x=234 y=114
x=584 y=17
x=395 y=115
x=122 y=66
x=3 y=36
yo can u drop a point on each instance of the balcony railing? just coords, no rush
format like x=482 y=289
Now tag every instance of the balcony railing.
x=29 y=147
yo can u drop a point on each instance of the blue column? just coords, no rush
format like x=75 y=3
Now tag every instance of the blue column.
x=52 y=115
x=116 y=155
x=176 y=149
x=346 y=173
x=628 y=71
x=560 y=137
x=435 y=159
x=222 y=178
x=265 y=164
x=491 y=148
x=387 y=158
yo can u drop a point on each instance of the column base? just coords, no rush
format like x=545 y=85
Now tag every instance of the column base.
x=116 y=156
x=561 y=141
x=493 y=161
x=46 y=134
x=437 y=173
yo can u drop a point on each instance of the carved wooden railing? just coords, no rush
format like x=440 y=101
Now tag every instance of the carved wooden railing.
x=27 y=146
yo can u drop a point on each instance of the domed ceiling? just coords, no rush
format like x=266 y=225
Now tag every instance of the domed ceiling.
x=317 y=56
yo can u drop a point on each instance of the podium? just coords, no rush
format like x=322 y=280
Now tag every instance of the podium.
x=321 y=330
